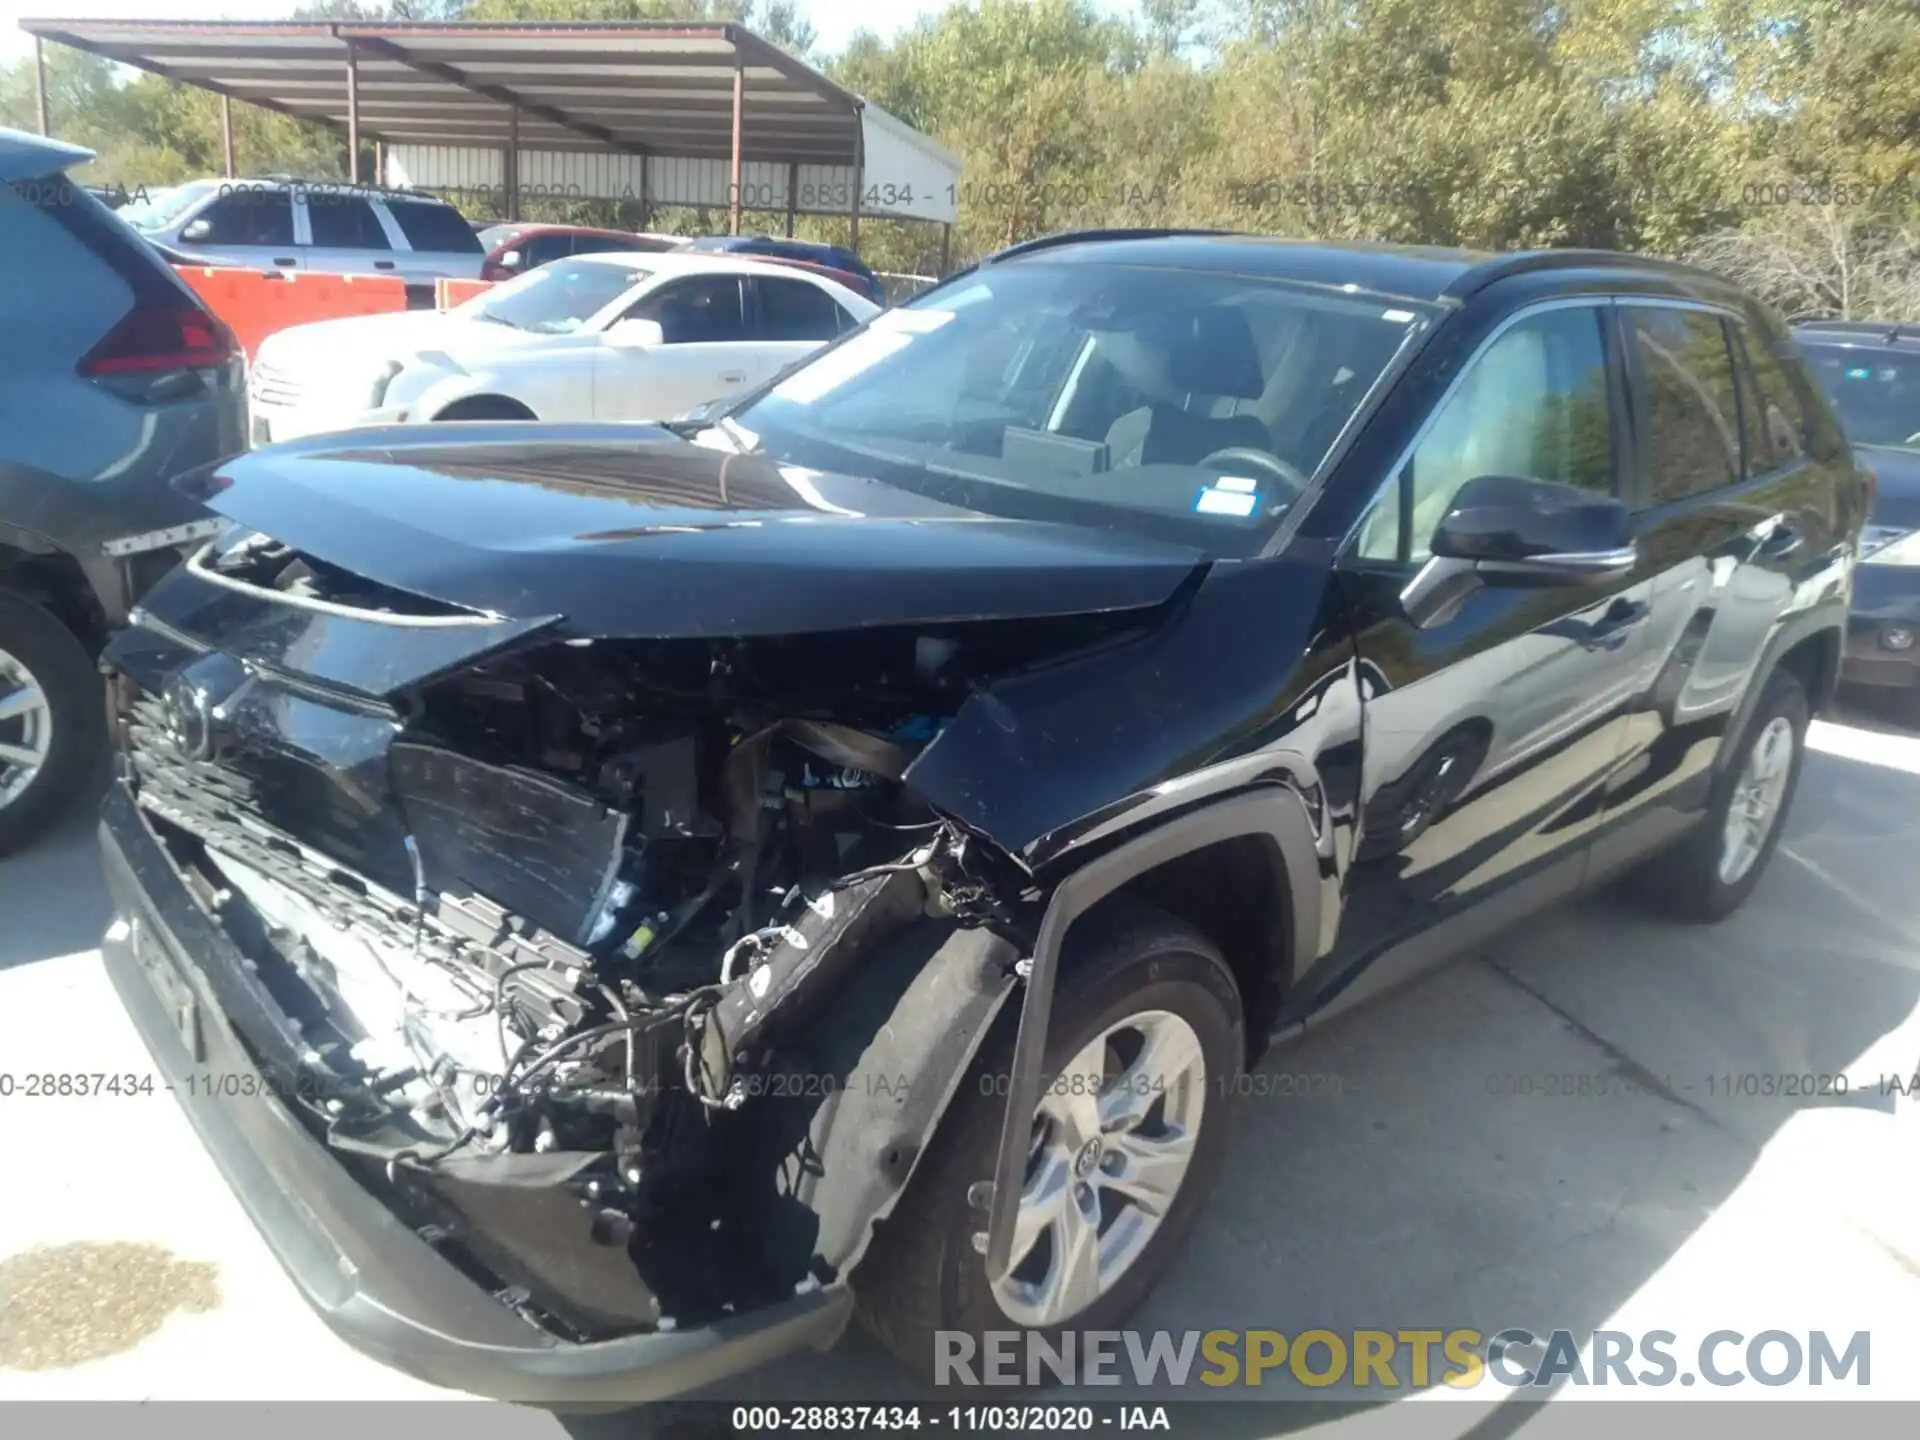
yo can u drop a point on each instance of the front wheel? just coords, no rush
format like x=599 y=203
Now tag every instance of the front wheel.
x=1145 y=1047
x=1710 y=873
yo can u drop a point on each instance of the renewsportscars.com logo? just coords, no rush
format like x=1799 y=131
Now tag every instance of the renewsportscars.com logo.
x=1393 y=1359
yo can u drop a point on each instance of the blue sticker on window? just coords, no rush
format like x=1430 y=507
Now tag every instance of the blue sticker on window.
x=1229 y=495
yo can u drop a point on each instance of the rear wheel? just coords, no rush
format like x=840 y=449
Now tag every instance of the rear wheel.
x=1710 y=873
x=1145 y=1045
x=51 y=729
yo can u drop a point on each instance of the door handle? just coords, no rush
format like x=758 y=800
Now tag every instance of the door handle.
x=383 y=264
x=285 y=260
x=733 y=377
x=1623 y=617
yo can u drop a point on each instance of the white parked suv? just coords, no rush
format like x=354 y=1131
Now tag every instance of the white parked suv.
x=595 y=337
x=324 y=226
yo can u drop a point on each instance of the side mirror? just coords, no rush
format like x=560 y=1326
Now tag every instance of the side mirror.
x=197 y=230
x=512 y=260
x=1518 y=531
x=1509 y=530
x=635 y=334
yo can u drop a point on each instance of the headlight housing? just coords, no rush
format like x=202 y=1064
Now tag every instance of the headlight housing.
x=1889 y=545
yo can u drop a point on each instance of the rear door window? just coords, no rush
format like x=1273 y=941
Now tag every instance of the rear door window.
x=795 y=310
x=1688 y=405
x=344 y=222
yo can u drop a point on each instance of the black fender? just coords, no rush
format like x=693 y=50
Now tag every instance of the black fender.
x=844 y=1120
x=1274 y=811
x=1823 y=620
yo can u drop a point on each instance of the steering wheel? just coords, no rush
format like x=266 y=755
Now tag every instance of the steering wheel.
x=1272 y=465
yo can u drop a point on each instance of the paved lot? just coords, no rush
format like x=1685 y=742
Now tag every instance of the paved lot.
x=1414 y=1197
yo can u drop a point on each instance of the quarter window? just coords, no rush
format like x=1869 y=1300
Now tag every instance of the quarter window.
x=1692 y=443
x=439 y=228
x=1533 y=404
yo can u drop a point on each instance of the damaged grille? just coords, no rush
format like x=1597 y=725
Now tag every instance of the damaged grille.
x=215 y=805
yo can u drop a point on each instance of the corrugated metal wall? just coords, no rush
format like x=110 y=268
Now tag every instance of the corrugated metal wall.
x=889 y=189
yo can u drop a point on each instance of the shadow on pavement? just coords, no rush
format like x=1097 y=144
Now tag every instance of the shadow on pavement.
x=52 y=899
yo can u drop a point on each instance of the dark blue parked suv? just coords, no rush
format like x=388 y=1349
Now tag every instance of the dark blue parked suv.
x=1870 y=369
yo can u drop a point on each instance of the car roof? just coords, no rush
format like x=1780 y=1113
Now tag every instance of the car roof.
x=25 y=157
x=547 y=227
x=692 y=262
x=1432 y=273
x=343 y=187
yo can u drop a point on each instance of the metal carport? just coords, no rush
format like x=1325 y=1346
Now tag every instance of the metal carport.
x=665 y=112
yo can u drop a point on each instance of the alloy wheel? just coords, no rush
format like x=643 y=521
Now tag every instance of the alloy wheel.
x=1112 y=1141
x=26 y=728
x=1757 y=795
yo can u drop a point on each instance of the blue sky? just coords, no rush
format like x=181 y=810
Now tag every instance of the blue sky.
x=835 y=20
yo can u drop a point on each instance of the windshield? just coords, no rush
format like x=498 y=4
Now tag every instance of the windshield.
x=1098 y=393
x=157 y=209
x=1876 y=393
x=556 y=299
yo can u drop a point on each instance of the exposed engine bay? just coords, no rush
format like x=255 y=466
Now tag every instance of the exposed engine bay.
x=627 y=873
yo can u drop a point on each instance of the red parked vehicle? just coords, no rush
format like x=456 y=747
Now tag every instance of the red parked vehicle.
x=515 y=248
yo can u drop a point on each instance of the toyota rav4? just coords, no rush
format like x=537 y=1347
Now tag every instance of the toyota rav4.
x=615 y=902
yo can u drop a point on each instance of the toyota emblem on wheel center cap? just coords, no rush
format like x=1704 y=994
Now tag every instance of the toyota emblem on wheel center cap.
x=1085 y=1163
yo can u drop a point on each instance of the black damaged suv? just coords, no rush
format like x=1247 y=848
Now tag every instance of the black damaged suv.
x=615 y=901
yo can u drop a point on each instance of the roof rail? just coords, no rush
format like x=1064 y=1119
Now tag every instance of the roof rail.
x=1082 y=237
x=1502 y=267
x=1892 y=331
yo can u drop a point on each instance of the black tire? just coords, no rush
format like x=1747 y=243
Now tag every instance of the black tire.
x=65 y=673
x=923 y=1274
x=1684 y=882
x=486 y=407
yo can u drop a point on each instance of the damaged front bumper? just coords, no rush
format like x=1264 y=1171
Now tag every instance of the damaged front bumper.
x=372 y=1278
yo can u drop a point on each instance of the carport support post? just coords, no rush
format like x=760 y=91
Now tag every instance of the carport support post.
x=859 y=165
x=353 y=115
x=946 y=248
x=226 y=134
x=40 y=84
x=739 y=97
x=793 y=194
x=510 y=164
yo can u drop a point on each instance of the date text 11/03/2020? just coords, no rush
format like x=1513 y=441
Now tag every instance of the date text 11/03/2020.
x=1720 y=1085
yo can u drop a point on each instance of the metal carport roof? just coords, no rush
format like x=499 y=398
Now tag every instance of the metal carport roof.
x=640 y=88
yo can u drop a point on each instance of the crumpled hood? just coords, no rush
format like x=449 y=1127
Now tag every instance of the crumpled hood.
x=629 y=531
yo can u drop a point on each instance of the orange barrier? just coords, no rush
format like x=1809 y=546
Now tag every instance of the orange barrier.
x=254 y=304
x=448 y=293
